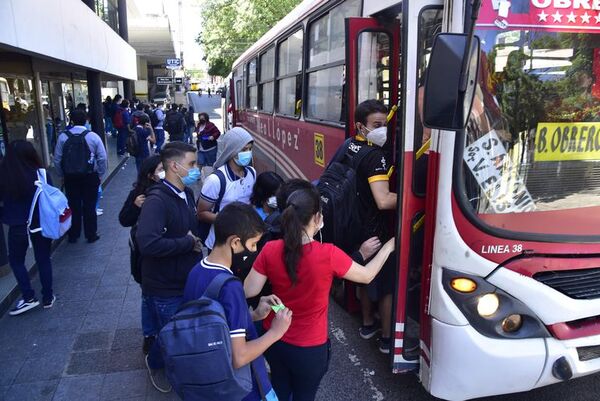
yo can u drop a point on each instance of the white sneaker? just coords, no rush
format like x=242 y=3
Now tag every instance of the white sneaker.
x=99 y=212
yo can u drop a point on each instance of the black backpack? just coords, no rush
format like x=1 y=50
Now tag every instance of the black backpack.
x=132 y=145
x=203 y=227
x=174 y=123
x=339 y=198
x=154 y=118
x=76 y=155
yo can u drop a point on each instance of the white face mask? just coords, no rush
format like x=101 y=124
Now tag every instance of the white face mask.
x=272 y=202
x=161 y=175
x=378 y=136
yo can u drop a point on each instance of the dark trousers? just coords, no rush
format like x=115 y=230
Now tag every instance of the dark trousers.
x=297 y=371
x=122 y=135
x=82 y=193
x=17 y=249
x=160 y=138
x=176 y=136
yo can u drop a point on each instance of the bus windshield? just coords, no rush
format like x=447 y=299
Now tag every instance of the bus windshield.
x=531 y=157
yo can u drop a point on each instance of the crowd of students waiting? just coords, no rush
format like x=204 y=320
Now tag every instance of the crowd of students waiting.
x=257 y=227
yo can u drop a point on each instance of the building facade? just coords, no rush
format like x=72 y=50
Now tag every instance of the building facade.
x=54 y=55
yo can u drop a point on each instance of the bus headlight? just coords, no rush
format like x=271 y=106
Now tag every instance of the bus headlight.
x=487 y=305
x=491 y=311
x=512 y=323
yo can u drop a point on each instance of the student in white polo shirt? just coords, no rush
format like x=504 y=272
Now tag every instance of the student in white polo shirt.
x=233 y=169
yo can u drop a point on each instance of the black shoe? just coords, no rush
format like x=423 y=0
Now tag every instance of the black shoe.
x=23 y=306
x=148 y=342
x=93 y=239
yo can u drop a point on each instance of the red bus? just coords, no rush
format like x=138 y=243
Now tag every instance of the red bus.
x=497 y=223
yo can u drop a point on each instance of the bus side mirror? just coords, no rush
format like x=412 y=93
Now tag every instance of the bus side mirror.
x=446 y=105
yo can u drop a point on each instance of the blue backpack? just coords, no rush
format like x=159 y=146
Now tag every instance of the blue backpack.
x=54 y=212
x=196 y=347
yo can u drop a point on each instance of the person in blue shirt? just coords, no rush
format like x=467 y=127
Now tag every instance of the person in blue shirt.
x=145 y=133
x=238 y=228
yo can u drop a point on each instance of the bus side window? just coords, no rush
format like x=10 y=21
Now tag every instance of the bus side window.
x=289 y=77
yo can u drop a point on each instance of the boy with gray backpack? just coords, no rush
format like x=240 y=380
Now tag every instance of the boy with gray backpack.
x=211 y=347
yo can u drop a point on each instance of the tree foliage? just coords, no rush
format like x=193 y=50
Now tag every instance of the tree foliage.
x=229 y=27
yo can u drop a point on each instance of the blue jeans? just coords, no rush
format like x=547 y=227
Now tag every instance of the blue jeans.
x=108 y=125
x=188 y=134
x=150 y=325
x=207 y=158
x=161 y=310
x=160 y=138
x=17 y=249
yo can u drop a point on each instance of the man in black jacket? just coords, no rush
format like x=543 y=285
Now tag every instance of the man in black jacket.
x=168 y=245
x=175 y=124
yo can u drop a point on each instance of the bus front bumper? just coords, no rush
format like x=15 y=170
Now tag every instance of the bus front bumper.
x=465 y=364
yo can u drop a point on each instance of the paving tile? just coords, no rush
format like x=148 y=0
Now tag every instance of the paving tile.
x=9 y=369
x=130 y=320
x=123 y=385
x=126 y=359
x=66 y=308
x=95 y=340
x=105 y=293
x=68 y=324
x=106 y=306
x=127 y=339
x=60 y=343
x=99 y=322
x=80 y=388
x=82 y=363
x=45 y=368
x=36 y=391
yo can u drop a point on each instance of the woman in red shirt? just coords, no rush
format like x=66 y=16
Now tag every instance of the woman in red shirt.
x=301 y=271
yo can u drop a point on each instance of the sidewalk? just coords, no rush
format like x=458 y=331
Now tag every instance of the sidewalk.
x=8 y=285
x=88 y=346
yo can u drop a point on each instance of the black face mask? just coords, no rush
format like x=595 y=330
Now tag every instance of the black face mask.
x=242 y=262
x=202 y=121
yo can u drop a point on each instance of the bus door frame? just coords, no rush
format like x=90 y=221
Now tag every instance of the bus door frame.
x=401 y=179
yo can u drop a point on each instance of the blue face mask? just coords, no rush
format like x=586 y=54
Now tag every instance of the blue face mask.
x=192 y=176
x=243 y=158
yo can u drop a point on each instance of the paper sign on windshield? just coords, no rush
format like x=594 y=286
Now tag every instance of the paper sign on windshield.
x=567 y=141
x=497 y=176
x=553 y=15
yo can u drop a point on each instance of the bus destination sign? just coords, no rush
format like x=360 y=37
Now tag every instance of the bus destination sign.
x=552 y=15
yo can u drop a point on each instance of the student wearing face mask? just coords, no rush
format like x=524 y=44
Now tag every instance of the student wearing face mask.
x=232 y=180
x=167 y=239
x=151 y=173
x=301 y=272
x=375 y=197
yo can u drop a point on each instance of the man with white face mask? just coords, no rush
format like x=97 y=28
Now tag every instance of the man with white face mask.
x=372 y=181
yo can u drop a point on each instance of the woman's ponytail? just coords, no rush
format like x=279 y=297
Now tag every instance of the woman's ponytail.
x=301 y=206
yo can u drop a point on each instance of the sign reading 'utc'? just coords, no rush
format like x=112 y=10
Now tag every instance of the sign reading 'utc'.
x=173 y=63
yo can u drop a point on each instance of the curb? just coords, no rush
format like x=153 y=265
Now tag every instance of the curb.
x=12 y=296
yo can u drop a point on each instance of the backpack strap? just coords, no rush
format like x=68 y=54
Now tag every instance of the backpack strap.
x=356 y=159
x=214 y=288
x=223 y=182
x=340 y=154
x=41 y=174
